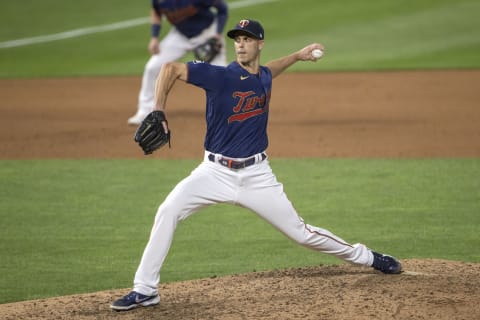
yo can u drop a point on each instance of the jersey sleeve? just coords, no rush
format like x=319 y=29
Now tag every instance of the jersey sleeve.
x=222 y=15
x=205 y=75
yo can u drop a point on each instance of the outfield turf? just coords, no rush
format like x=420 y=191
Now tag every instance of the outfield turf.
x=376 y=35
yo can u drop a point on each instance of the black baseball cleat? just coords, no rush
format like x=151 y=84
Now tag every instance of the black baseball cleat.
x=386 y=264
x=134 y=300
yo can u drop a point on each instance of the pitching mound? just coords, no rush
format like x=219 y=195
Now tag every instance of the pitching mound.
x=428 y=289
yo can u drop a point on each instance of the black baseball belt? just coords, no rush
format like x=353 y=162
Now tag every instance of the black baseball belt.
x=236 y=164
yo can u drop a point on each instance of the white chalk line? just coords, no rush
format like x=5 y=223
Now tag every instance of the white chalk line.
x=414 y=273
x=104 y=28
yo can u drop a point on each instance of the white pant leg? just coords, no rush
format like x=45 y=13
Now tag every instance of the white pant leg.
x=265 y=196
x=173 y=47
x=203 y=187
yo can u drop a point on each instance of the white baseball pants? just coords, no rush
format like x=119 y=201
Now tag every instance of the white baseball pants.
x=255 y=188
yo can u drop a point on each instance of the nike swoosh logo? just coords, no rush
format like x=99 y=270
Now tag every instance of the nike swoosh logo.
x=243 y=78
x=141 y=300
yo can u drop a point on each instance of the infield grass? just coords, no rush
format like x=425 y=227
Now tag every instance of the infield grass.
x=71 y=226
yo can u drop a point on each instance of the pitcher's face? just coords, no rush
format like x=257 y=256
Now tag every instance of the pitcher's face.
x=247 y=48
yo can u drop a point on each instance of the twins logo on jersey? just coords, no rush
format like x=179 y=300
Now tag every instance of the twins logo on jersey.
x=249 y=105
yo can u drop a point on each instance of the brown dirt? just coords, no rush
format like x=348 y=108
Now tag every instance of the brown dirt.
x=388 y=114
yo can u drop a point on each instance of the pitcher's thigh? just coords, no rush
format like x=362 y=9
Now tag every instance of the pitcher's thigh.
x=201 y=188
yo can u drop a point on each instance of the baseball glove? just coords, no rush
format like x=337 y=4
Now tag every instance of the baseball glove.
x=207 y=51
x=151 y=135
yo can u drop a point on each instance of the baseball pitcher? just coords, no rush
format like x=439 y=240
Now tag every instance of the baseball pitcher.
x=235 y=167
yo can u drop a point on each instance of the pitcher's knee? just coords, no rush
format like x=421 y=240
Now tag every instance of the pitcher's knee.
x=300 y=238
x=169 y=213
x=172 y=211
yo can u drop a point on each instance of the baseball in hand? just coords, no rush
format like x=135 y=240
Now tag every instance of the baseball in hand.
x=317 y=53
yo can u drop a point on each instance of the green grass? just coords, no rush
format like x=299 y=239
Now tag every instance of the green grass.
x=378 y=35
x=71 y=226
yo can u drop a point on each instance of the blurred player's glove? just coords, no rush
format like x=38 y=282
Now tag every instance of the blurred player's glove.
x=151 y=135
x=207 y=51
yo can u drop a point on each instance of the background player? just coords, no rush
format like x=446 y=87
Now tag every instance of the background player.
x=235 y=169
x=193 y=23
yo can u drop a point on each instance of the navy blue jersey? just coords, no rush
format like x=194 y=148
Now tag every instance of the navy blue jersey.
x=191 y=17
x=237 y=107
